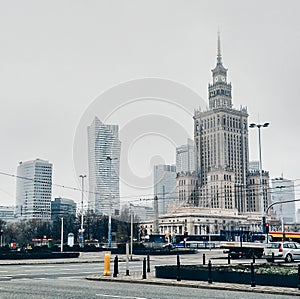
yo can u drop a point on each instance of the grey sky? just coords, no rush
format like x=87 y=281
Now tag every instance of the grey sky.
x=56 y=57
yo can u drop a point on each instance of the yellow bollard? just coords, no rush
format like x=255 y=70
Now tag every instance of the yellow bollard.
x=106 y=264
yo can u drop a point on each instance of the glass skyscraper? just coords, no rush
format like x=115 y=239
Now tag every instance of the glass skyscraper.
x=164 y=186
x=104 y=149
x=185 y=157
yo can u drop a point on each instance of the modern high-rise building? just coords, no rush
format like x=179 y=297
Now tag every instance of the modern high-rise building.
x=282 y=190
x=164 y=186
x=185 y=157
x=34 y=189
x=221 y=143
x=104 y=148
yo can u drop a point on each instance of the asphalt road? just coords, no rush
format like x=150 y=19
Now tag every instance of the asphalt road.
x=73 y=270
x=67 y=280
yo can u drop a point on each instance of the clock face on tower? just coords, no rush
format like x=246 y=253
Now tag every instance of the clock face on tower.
x=223 y=78
x=216 y=79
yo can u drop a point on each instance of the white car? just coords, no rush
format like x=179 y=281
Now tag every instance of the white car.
x=287 y=251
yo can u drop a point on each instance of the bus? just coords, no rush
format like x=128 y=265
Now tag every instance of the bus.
x=286 y=236
x=244 y=236
x=197 y=241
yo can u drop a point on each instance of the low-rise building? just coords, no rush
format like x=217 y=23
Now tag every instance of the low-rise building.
x=62 y=207
x=196 y=220
x=7 y=213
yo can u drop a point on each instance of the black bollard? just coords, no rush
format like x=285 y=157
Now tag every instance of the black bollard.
x=273 y=257
x=178 y=268
x=252 y=275
x=253 y=259
x=228 y=258
x=116 y=270
x=203 y=258
x=144 y=268
x=298 y=276
x=209 y=272
x=148 y=263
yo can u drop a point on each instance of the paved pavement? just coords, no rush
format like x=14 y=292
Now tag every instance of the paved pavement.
x=136 y=277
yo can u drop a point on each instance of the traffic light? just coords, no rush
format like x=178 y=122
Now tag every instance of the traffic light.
x=185 y=234
x=263 y=228
x=267 y=228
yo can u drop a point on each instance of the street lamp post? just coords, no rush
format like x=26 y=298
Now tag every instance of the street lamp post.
x=82 y=192
x=259 y=126
x=1 y=237
x=62 y=235
x=110 y=202
x=131 y=230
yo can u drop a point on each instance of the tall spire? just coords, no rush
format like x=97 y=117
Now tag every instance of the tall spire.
x=220 y=91
x=219 y=56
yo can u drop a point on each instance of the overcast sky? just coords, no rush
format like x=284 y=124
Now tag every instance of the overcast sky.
x=57 y=58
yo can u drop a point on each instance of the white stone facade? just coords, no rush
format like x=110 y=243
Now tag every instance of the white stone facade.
x=195 y=220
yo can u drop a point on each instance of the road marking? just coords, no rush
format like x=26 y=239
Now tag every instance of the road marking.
x=5 y=277
x=112 y=296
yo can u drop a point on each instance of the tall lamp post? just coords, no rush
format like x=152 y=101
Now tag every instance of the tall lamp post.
x=110 y=202
x=82 y=192
x=259 y=126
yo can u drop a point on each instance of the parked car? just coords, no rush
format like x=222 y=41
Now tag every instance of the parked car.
x=287 y=251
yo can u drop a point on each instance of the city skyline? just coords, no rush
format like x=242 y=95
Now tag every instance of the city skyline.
x=51 y=73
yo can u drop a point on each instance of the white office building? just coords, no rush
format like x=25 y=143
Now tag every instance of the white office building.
x=34 y=188
x=104 y=149
x=164 y=186
x=282 y=190
x=185 y=157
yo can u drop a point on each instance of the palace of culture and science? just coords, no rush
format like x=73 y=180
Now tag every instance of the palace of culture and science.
x=223 y=193
x=221 y=140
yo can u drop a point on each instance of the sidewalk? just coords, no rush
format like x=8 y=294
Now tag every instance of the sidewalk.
x=85 y=257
